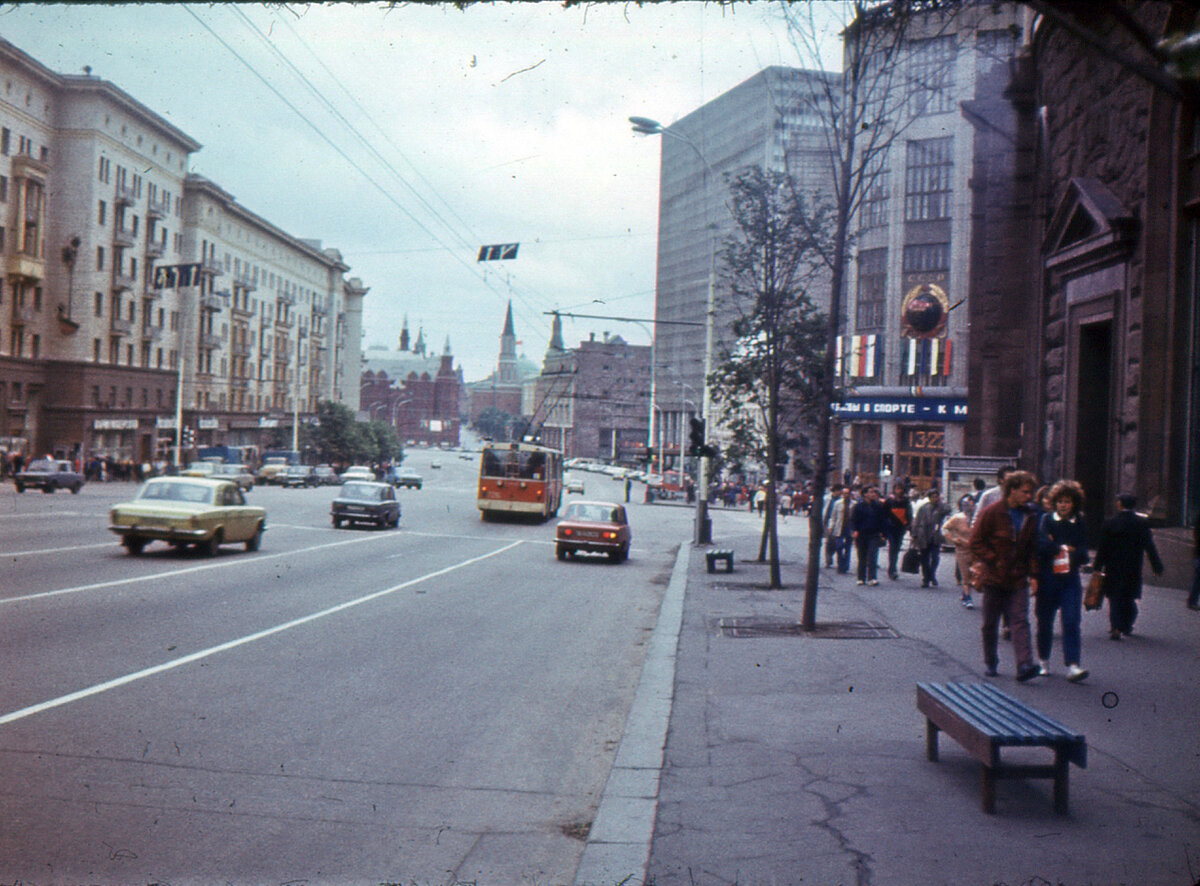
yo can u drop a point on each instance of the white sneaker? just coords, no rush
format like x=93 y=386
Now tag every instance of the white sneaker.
x=1075 y=673
x=1044 y=667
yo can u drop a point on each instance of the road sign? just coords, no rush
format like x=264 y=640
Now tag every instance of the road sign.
x=173 y=276
x=498 y=252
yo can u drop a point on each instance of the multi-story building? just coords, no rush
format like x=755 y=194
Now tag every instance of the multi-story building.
x=903 y=359
x=416 y=391
x=769 y=121
x=594 y=401
x=96 y=342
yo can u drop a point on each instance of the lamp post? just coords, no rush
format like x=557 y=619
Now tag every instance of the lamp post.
x=300 y=336
x=647 y=126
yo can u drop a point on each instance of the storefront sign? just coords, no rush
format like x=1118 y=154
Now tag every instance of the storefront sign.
x=901 y=409
x=265 y=422
x=114 y=424
x=165 y=424
x=209 y=424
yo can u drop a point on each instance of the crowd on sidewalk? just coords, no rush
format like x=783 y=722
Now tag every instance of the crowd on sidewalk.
x=1013 y=543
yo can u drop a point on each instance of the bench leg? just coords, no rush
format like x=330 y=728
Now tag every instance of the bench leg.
x=1061 y=774
x=728 y=564
x=931 y=741
x=989 y=790
x=711 y=564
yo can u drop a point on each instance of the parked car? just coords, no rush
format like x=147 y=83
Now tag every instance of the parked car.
x=239 y=474
x=324 y=475
x=49 y=474
x=573 y=484
x=200 y=469
x=295 y=475
x=594 y=527
x=186 y=511
x=271 y=468
x=357 y=472
x=361 y=501
x=404 y=477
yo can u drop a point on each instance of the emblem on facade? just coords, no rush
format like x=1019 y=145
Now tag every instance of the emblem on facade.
x=924 y=311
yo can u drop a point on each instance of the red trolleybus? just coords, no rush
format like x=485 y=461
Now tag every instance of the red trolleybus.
x=519 y=478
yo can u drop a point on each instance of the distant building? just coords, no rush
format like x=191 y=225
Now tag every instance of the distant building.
x=95 y=204
x=417 y=392
x=503 y=389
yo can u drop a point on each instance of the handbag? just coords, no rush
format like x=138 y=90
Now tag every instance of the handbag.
x=1094 y=595
x=911 y=561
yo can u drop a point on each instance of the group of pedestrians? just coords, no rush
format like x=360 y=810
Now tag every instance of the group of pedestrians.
x=1012 y=542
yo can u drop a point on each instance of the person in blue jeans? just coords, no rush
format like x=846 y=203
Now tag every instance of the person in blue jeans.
x=868 y=527
x=1062 y=548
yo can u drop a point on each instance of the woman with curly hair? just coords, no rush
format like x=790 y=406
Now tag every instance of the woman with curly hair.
x=1062 y=549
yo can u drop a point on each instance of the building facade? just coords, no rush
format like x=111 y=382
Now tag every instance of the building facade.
x=768 y=121
x=911 y=317
x=504 y=390
x=97 y=341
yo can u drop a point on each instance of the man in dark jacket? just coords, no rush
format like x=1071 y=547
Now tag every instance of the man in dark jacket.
x=1004 y=547
x=1123 y=541
x=868 y=523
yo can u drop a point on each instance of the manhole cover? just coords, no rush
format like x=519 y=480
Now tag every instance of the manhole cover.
x=833 y=630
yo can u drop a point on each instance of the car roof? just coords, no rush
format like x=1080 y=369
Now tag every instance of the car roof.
x=191 y=481
x=367 y=483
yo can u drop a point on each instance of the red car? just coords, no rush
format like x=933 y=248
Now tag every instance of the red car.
x=594 y=527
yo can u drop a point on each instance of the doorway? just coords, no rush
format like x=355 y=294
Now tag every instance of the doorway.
x=1093 y=420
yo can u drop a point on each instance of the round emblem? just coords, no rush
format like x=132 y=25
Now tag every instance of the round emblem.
x=923 y=314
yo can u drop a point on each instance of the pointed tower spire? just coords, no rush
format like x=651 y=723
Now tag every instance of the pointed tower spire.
x=419 y=345
x=404 y=334
x=506 y=371
x=556 y=339
x=446 y=349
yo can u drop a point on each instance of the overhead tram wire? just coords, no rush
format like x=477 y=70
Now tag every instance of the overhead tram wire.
x=386 y=194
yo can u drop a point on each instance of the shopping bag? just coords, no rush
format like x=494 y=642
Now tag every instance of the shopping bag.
x=911 y=561
x=1094 y=595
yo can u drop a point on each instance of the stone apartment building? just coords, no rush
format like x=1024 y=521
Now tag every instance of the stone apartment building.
x=95 y=202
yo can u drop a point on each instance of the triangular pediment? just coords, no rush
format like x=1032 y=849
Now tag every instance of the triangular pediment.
x=1089 y=217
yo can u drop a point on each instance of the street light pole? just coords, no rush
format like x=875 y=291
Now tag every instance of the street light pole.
x=647 y=126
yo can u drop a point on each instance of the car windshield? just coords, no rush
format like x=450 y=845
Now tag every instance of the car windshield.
x=594 y=513
x=173 y=491
x=363 y=491
x=40 y=465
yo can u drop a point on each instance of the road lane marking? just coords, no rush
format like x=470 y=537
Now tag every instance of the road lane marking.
x=240 y=641
x=223 y=564
x=4 y=554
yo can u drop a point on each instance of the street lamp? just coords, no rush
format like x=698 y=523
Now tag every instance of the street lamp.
x=647 y=126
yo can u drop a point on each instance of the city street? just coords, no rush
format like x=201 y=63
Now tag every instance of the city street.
x=436 y=703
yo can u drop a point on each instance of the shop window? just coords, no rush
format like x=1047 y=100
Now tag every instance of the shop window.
x=919 y=458
x=865 y=442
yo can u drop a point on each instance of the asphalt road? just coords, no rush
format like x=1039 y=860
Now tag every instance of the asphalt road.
x=432 y=704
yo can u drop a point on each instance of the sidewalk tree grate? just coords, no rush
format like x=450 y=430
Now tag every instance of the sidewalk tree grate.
x=754 y=626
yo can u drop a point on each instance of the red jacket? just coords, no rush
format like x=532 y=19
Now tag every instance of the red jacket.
x=1003 y=559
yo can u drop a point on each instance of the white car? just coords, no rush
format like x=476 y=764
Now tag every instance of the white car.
x=573 y=484
x=357 y=472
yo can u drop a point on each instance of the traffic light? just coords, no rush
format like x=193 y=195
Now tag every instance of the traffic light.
x=696 y=437
x=189 y=438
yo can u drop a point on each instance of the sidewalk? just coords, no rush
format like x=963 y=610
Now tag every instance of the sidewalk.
x=800 y=759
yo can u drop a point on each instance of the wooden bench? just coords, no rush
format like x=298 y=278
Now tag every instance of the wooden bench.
x=711 y=558
x=983 y=720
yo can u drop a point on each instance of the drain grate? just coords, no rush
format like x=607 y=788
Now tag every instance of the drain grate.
x=749 y=626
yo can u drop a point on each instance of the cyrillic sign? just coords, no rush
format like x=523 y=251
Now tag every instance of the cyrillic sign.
x=902 y=409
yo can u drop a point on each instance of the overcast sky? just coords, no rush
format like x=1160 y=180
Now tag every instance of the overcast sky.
x=438 y=130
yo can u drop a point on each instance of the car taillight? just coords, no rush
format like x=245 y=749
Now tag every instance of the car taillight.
x=610 y=535
x=566 y=531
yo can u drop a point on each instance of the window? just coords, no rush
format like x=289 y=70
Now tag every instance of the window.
x=5 y=139
x=876 y=181
x=927 y=179
x=99 y=258
x=36 y=345
x=931 y=75
x=871 y=305
x=103 y=212
x=920 y=454
x=99 y=304
x=3 y=188
x=927 y=258
x=96 y=359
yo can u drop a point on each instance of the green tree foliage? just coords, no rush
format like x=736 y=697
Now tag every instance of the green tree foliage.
x=338 y=438
x=770 y=378
x=493 y=423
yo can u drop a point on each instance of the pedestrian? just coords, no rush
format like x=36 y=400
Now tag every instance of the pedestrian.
x=995 y=493
x=628 y=489
x=1193 y=600
x=927 y=536
x=900 y=518
x=835 y=494
x=1004 y=546
x=1124 y=542
x=868 y=528
x=837 y=529
x=957 y=530
x=760 y=499
x=1062 y=549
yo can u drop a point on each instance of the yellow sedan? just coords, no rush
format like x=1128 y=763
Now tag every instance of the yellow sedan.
x=188 y=511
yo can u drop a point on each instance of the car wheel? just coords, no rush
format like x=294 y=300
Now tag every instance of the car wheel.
x=560 y=552
x=254 y=542
x=134 y=545
x=75 y=489
x=48 y=488
x=337 y=522
x=20 y=488
x=209 y=548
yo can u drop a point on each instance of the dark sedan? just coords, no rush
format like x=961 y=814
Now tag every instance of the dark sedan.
x=360 y=501
x=48 y=474
x=295 y=475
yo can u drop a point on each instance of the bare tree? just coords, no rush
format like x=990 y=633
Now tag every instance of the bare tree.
x=864 y=113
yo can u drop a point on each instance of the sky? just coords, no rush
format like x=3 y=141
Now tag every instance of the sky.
x=409 y=135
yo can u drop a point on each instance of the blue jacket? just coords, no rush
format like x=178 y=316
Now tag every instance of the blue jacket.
x=1052 y=534
x=869 y=518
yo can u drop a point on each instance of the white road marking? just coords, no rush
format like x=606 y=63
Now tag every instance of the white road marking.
x=241 y=641
x=4 y=554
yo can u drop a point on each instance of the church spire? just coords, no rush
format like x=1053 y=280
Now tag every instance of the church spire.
x=507 y=369
x=404 y=334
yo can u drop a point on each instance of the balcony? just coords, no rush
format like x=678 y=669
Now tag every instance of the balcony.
x=155 y=249
x=240 y=349
x=211 y=302
x=124 y=238
x=122 y=282
x=27 y=267
x=209 y=341
x=239 y=383
x=320 y=307
x=285 y=298
x=22 y=315
x=120 y=326
x=151 y=332
x=125 y=195
x=159 y=208
x=284 y=322
x=25 y=166
x=246 y=282
x=265 y=347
